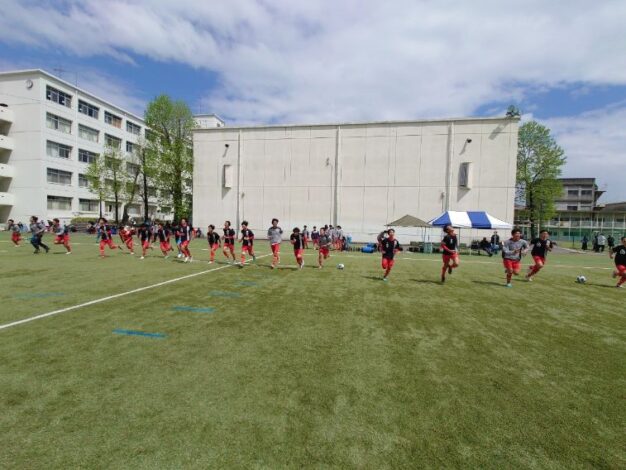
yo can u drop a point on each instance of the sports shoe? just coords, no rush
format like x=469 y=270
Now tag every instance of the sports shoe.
x=132 y=253
x=179 y=255
x=210 y=262
x=509 y=285
x=620 y=286
x=186 y=260
x=47 y=249
x=36 y=252
x=384 y=279
x=68 y=253
x=443 y=278
x=529 y=279
x=142 y=257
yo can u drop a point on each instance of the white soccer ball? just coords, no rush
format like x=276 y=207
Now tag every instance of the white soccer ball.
x=581 y=279
x=340 y=266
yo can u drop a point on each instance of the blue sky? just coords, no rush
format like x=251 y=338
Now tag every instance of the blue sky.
x=285 y=62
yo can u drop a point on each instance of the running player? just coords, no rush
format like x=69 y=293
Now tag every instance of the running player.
x=512 y=251
x=619 y=253
x=275 y=236
x=163 y=235
x=16 y=235
x=339 y=237
x=247 y=242
x=38 y=229
x=186 y=234
x=62 y=235
x=450 y=251
x=104 y=234
x=126 y=235
x=305 y=236
x=389 y=247
x=144 y=236
x=176 y=232
x=324 y=243
x=229 y=242
x=297 y=240
x=540 y=248
x=214 y=242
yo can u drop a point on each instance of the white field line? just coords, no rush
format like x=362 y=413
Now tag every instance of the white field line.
x=115 y=296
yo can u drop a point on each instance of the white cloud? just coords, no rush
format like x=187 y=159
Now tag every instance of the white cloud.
x=595 y=146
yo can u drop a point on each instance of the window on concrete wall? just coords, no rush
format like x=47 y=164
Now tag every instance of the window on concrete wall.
x=229 y=176
x=54 y=149
x=465 y=175
x=57 y=96
x=130 y=147
x=572 y=192
x=112 y=119
x=572 y=208
x=83 y=182
x=112 y=142
x=86 y=156
x=59 y=203
x=59 y=176
x=88 y=133
x=88 y=109
x=58 y=123
x=133 y=128
x=88 y=205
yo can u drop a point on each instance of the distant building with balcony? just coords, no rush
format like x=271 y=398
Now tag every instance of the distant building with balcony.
x=50 y=130
x=579 y=213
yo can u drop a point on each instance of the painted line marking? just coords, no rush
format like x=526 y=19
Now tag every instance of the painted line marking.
x=138 y=333
x=218 y=293
x=247 y=283
x=182 y=308
x=115 y=296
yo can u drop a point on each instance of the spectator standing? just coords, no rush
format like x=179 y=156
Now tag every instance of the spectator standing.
x=601 y=242
x=584 y=242
x=495 y=242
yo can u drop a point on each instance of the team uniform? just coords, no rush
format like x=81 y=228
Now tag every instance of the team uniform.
x=127 y=238
x=512 y=257
x=247 y=244
x=324 y=248
x=38 y=229
x=62 y=236
x=144 y=236
x=214 y=243
x=275 y=236
x=450 y=252
x=389 y=248
x=185 y=233
x=297 y=240
x=104 y=233
x=229 y=242
x=16 y=235
x=315 y=236
x=539 y=253
x=163 y=235
x=619 y=256
x=305 y=236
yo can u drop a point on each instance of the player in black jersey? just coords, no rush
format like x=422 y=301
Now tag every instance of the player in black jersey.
x=389 y=246
x=144 y=236
x=186 y=234
x=247 y=242
x=619 y=254
x=214 y=242
x=297 y=240
x=540 y=248
x=229 y=242
x=450 y=251
x=163 y=235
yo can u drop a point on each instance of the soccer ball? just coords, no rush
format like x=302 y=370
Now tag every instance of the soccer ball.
x=340 y=266
x=581 y=279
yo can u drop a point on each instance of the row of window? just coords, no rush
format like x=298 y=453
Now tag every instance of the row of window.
x=55 y=149
x=64 y=99
x=583 y=192
x=63 y=177
x=61 y=203
x=63 y=125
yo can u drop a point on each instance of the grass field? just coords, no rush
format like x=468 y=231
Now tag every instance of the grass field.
x=308 y=368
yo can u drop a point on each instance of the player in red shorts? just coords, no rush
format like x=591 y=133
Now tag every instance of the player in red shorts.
x=62 y=235
x=450 y=251
x=247 y=242
x=389 y=246
x=104 y=232
x=229 y=242
x=144 y=237
x=297 y=240
x=323 y=243
x=275 y=237
x=126 y=235
x=186 y=234
x=16 y=235
x=163 y=235
x=512 y=251
x=619 y=253
x=214 y=242
x=540 y=248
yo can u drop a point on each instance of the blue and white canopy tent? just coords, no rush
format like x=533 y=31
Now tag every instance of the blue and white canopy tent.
x=469 y=219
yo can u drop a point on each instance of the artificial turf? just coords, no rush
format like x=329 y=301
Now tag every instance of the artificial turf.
x=287 y=368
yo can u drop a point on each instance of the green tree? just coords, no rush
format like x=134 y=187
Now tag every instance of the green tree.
x=539 y=163
x=147 y=159
x=171 y=123
x=95 y=175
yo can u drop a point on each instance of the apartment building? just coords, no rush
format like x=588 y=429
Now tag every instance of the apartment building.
x=50 y=130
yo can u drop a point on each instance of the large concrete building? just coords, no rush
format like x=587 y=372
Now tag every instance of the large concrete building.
x=49 y=132
x=359 y=176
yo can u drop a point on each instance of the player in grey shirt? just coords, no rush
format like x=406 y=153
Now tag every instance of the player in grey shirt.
x=275 y=236
x=512 y=251
x=38 y=229
x=324 y=248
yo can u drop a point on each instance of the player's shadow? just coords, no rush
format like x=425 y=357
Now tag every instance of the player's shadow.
x=489 y=283
x=426 y=281
x=373 y=278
